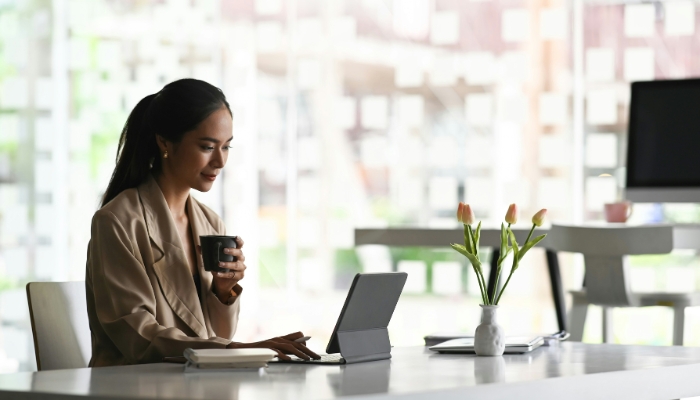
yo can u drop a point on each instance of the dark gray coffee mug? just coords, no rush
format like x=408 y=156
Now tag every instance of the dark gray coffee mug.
x=213 y=251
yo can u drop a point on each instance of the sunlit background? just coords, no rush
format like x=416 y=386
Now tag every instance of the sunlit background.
x=347 y=114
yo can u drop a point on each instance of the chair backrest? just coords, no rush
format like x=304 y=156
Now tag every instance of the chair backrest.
x=58 y=313
x=605 y=249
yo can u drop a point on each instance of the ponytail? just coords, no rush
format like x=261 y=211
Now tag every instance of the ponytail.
x=136 y=150
x=178 y=108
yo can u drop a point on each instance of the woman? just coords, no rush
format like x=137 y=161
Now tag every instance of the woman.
x=148 y=295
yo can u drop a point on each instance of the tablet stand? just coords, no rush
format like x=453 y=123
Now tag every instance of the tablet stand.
x=364 y=345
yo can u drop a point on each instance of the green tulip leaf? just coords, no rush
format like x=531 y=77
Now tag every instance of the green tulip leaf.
x=516 y=250
x=504 y=240
x=475 y=250
x=532 y=243
x=472 y=258
x=477 y=237
x=467 y=239
x=504 y=255
x=475 y=261
x=460 y=249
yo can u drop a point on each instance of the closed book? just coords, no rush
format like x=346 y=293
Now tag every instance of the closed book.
x=228 y=357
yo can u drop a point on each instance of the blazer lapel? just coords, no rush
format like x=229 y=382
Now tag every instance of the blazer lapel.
x=172 y=271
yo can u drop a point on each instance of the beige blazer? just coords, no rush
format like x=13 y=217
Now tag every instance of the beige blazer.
x=141 y=297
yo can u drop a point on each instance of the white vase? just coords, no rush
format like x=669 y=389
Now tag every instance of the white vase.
x=489 y=339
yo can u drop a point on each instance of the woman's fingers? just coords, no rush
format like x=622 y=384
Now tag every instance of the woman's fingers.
x=293 y=336
x=239 y=242
x=289 y=348
x=298 y=347
x=226 y=275
x=260 y=345
x=301 y=346
x=306 y=350
x=235 y=252
x=237 y=264
x=281 y=355
x=234 y=266
x=281 y=346
x=231 y=274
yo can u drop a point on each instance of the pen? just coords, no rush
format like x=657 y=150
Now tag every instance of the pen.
x=302 y=339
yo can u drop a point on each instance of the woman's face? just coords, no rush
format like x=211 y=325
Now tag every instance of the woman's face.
x=201 y=155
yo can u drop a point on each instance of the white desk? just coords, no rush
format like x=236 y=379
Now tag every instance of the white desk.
x=433 y=237
x=685 y=236
x=572 y=371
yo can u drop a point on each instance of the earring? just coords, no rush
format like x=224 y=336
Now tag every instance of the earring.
x=165 y=155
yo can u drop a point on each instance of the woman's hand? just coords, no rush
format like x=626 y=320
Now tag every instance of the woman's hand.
x=283 y=345
x=225 y=281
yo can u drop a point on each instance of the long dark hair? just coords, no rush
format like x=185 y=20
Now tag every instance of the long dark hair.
x=178 y=108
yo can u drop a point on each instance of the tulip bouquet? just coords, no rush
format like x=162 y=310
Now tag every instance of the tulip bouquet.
x=470 y=249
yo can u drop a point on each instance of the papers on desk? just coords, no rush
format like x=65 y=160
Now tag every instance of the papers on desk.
x=215 y=360
x=514 y=344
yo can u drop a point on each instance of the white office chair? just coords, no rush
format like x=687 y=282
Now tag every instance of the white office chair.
x=605 y=249
x=58 y=313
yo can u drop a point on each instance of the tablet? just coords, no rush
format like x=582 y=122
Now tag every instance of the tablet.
x=361 y=334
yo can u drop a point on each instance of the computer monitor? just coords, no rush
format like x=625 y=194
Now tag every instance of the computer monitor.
x=663 y=147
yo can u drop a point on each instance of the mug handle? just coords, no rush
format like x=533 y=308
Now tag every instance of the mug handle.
x=629 y=210
x=218 y=251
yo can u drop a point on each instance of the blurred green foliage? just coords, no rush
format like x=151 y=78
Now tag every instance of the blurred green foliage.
x=273 y=272
x=384 y=209
x=5 y=68
x=430 y=256
x=7 y=283
x=683 y=213
x=9 y=148
x=346 y=265
x=273 y=261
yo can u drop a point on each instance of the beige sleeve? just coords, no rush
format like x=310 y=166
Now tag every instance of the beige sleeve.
x=124 y=300
x=224 y=317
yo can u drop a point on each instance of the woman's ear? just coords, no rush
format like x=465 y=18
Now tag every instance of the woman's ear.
x=162 y=143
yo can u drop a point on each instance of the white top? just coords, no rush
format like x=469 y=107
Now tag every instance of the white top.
x=571 y=371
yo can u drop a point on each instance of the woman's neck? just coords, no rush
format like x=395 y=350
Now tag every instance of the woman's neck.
x=175 y=195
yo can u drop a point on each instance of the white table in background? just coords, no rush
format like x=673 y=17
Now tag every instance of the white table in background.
x=685 y=236
x=571 y=371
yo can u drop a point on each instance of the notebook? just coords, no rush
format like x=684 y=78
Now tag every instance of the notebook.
x=514 y=345
x=227 y=359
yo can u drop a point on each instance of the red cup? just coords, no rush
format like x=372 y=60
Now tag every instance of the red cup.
x=618 y=212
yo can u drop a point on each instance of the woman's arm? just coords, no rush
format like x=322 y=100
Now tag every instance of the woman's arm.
x=124 y=300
